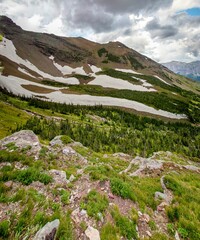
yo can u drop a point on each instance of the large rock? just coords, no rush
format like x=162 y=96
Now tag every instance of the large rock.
x=92 y=233
x=68 y=151
x=23 y=139
x=48 y=232
x=59 y=176
x=159 y=195
x=56 y=141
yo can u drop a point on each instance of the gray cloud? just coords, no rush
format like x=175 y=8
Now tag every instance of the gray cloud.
x=161 y=31
x=104 y=15
x=113 y=20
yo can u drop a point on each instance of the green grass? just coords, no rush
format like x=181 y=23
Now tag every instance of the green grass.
x=153 y=99
x=26 y=177
x=118 y=74
x=94 y=203
x=140 y=190
x=4 y=229
x=144 y=190
x=122 y=188
x=109 y=232
x=54 y=83
x=82 y=77
x=1 y=38
x=185 y=209
x=65 y=230
x=64 y=196
x=125 y=226
x=10 y=118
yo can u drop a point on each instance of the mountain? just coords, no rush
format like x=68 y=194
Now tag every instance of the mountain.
x=190 y=70
x=97 y=142
x=78 y=71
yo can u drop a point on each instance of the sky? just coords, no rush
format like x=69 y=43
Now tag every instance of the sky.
x=163 y=30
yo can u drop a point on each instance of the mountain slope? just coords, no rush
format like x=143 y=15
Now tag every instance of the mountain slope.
x=78 y=71
x=190 y=70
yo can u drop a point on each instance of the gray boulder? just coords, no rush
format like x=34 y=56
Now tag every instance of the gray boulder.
x=48 y=232
x=92 y=233
x=22 y=139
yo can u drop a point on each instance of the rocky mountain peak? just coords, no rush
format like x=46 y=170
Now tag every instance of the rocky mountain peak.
x=8 y=27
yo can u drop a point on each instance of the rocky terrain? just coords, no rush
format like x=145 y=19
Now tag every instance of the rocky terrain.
x=94 y=201
x=190 y=70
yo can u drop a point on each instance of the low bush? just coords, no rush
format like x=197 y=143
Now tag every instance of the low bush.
x=109 y=232
x=94 y=203
x=4 y=229
x=127 y=228
x=121 y=188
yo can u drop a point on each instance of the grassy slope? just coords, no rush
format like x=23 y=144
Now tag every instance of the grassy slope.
x=10 y=118
x=101 y=167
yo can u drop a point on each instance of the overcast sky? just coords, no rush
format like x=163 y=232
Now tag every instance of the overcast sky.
x=164 y=30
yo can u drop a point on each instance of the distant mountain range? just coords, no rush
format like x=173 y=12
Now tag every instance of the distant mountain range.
x=190 y=70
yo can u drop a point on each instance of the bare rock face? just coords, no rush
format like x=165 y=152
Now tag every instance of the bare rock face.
x=22 y=139
x=48 y=232
x=92 y=233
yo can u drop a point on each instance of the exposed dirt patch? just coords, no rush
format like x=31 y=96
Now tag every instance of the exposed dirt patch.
x=37 y=89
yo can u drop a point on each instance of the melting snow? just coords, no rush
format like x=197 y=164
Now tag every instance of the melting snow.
x=162 y=80
x=14 y=84
x=128 y=71
x=25 y=72
x=66 y=70
x=8 y=50
x=110 y=82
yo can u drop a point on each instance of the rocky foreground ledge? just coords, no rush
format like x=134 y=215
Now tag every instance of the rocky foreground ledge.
x=69 y=177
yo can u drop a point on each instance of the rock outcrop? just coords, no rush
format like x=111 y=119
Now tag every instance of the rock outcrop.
x=22 y=139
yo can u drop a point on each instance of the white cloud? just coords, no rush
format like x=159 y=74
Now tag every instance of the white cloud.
x=55 y=26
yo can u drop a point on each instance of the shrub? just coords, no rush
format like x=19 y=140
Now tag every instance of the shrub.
x=122 y=189
x=102 y=51
x=65 y=230
x=109 y=232
x=126 y=227
x=4 y=229
x=183 y=232
x=30 y=175
x=173 y=213
x=65 y=196
x=40 y=219
x=171 y=229
x=66 y=139
x=94 y=203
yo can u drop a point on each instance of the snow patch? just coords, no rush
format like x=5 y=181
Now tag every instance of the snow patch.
x=162 y=80
x=14 y=84
x=95 y=69
x=8 y=50
x=127 y=71
x=25 y=72
x=116 y=83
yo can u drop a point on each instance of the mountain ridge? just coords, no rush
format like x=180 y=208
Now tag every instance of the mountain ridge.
x=190 y=70
x=78 y=71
